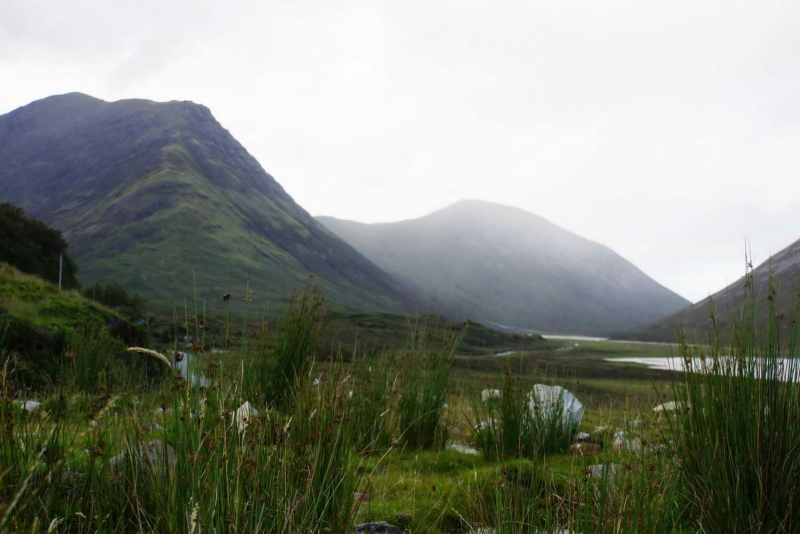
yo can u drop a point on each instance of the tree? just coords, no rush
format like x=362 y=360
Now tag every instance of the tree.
x=34 y=248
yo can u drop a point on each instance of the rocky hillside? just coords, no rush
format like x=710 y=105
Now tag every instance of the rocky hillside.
x=695 y=319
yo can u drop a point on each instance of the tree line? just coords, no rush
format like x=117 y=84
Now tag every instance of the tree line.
x=34 y=248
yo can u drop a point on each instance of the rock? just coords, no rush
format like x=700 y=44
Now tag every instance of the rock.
x=582 y=436
x=154 y=453
x=487 y=394
x=587 y=448
x=377 y=527
x=28 y=406
x=598 y=471
x=670 y=406
x=623 y=442
x=602 y=429
x=244 y=414
x=462 y=448
x=544 y=399
x=403 y=519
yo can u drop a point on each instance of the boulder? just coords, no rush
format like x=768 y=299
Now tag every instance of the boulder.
x=28 y=406
x=487 y=394
x=623 y=442
x=598 y=471
x=377 y=527
x=670 y=406
x=154 y=453
x=244 y=414
x=544 y=399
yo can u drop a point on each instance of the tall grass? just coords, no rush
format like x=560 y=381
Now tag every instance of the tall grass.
x=426 y=364
x=635 y=494
x=739 y=432
x=274 y=365
x=515 y=425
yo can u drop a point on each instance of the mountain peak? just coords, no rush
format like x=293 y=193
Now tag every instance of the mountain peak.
x=152 y=195
x=505 y=266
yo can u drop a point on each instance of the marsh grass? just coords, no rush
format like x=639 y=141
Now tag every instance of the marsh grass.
x=514 y=426
x=738 y=435
x=118 y=447
x=426 y=367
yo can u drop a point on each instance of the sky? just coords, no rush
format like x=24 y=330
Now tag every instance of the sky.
x=668 y=131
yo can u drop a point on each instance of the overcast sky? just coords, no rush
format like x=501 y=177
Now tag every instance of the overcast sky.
x=669 y=131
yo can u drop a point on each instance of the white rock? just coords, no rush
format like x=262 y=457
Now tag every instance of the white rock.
x=462 y=448
x=597 y=471
x=670 y=406
x=623 y=442
x=487 y=394
x=582 y=435
x=153 y=452
x=547 y=398
x=244 y=414
x=29 y=406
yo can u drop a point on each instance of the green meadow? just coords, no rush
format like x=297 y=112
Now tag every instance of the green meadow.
x=324 y=422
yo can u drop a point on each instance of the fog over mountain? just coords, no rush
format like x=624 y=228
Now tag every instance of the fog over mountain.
x=505 y=266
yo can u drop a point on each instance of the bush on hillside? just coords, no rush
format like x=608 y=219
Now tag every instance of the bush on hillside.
x=34 y=248
x=115 y=296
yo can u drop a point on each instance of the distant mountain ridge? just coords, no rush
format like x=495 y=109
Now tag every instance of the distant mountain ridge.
x=695 y=319
x=160 y=198
x=505 y=266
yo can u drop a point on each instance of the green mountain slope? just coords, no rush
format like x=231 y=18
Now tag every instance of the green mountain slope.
x=36 y=319
x=504 y=266
x=696 y=321
x=160 y=198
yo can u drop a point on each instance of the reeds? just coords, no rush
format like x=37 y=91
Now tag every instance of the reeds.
x=516 y=424
x=738 y=434
x=426 y=364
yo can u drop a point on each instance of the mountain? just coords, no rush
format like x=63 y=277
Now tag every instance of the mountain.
x=161 y=199
x=507 y=267
x=695 y=319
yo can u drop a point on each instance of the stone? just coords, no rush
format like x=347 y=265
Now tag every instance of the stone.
x=544 y=399
x=598 y=471
x=623 y=442
x=670 y=406
x=377 y=527
x=244 y=414
x=154 y=453
x=487 y=394
x=361 y=497
x=586 y=448
x=403 y=519
x=29 y=406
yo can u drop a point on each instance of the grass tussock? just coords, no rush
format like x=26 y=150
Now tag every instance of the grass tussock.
x=738 y=429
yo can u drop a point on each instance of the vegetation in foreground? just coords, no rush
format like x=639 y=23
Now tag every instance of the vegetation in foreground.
x=278 y=437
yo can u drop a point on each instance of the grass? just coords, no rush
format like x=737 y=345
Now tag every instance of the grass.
x=32 y=299
x=739 y=431
x=333 y=438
